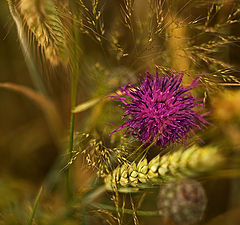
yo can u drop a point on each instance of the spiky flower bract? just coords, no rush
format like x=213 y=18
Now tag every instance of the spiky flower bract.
x=160 y=109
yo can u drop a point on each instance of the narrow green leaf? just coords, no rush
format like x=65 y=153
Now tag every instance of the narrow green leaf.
x=35 y=205
x=86 y=105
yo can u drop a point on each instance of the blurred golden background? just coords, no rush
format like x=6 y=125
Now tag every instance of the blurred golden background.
x=196 y=37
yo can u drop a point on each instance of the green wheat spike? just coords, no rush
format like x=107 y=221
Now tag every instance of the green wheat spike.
x=183 y=163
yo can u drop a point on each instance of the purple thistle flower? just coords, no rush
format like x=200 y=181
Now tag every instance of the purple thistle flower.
x=160 y=109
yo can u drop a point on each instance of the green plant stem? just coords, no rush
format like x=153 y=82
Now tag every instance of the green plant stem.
x=30 y=220
x=74 y=64
x=71 y=135
x=127 y=211
x=70 y=148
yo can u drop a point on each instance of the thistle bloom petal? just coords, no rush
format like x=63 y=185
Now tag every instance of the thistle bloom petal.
x=160 y=109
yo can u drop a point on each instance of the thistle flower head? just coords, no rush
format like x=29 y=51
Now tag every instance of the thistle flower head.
x=160 y=109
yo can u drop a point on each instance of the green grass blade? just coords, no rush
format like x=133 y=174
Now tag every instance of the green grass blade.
x=35 y=205
x=74 y=66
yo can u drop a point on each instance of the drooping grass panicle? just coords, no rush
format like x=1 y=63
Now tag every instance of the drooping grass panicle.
x=220 y=71
x=197 y=42
x=92 y=19
x=127 y=13
x=205 y=54
x=157 y=8
x=97 y=156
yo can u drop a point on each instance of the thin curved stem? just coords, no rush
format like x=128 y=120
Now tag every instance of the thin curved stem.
x=127 y=211
x=35 y=205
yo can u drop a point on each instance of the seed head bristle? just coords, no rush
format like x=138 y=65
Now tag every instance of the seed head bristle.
x=92 y=22
x=43 y=22
x=97 y=155
x=218 y=18
x=127 y=13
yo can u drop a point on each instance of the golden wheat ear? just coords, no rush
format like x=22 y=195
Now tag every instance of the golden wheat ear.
x=45 y=28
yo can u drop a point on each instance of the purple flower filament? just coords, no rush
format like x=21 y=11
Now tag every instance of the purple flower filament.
x=160 y=109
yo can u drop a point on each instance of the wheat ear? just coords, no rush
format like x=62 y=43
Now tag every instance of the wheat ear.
x=183 y=163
